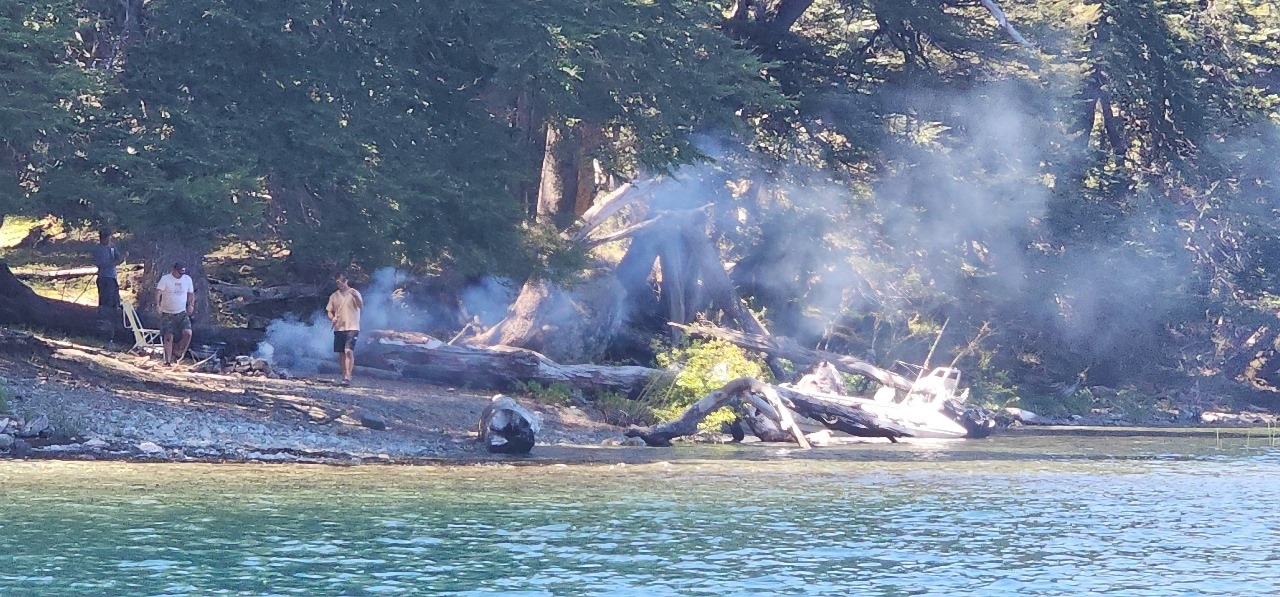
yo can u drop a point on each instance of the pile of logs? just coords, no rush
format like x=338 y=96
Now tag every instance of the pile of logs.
x=767 y=411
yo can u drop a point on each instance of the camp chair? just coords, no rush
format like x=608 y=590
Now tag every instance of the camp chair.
x=144 y=340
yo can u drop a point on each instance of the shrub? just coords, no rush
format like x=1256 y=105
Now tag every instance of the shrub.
x=557 y=393
x=702 y=368
x=617 y=409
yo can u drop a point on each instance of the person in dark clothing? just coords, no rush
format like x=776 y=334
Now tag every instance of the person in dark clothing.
x=107 y=257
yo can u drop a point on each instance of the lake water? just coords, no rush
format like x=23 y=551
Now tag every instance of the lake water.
x=1005 y=516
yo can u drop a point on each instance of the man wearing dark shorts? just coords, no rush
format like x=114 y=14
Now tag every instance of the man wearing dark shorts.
x=344 y=312
x=176 y=302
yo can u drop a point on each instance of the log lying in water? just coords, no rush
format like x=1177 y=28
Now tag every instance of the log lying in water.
x=508 y=428
x=777 y=404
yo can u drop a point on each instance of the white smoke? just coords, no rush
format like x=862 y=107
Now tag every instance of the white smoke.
x=300 y=342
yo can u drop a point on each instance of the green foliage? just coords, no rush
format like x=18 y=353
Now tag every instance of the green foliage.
x=6 y=397
x=65 y=427
x=702 y=367
x=556 y=393
x=618 y=409
x=995 y=391
x=1107 y=195
x=1081 y=402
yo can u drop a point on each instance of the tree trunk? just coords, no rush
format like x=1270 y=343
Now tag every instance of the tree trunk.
x=160 y=259
x=20 y=305
x=788 y=12
x=558 y=187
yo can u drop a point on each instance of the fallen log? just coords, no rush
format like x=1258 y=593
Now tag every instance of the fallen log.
x=66 y=274
x=775 y=403
x=240 y=296
x=502 y=367
x=786 y=348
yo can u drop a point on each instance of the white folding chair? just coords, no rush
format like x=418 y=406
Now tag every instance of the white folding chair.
x=144 y=339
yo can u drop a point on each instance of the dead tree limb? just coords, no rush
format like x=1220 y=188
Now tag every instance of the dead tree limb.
x=777 y=404
x=1004 y=23
x=610 y=204
x=245 y=295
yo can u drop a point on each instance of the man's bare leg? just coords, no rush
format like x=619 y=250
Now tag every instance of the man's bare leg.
x=348 y=363
x=168 y=348
x=183 y=345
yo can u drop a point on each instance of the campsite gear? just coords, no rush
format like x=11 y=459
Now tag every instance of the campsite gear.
x=144 y=339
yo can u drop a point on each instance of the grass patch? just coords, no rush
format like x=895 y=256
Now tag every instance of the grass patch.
x=616 y=409
x=1078 y=403
x=557 y=393
x=6 y=397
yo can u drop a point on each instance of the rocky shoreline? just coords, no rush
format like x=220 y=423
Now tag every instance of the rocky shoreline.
x=81 y=404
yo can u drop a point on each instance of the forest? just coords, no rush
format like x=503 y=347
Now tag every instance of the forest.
x=1064 y=197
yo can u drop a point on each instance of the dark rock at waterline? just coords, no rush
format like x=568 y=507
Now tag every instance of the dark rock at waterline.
x=20 y=449
x=508 y=428
x=372 y=421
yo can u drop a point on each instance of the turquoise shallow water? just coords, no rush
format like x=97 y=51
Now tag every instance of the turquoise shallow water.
x=1007 y=516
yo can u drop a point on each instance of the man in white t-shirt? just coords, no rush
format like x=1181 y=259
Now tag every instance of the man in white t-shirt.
x=344 y=312
x=176 y=300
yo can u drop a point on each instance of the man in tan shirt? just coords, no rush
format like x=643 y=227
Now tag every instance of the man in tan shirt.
x=344 y=312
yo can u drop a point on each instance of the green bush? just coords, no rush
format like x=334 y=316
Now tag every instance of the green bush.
x=1080 y=402
x=6 y=395
x=557 y=393
x=702 y=368
x=617 y=409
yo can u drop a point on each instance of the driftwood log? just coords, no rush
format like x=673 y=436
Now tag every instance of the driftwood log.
x=68 y=274
x=776 y=403
x=499 y=367
x=20 y=305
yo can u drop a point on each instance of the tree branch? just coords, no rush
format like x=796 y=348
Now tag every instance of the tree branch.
x=1003 y=20
x=789 y=11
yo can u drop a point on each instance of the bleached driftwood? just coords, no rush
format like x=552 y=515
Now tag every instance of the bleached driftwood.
x=776 y=403
x=500 y=367
x=66 y=274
